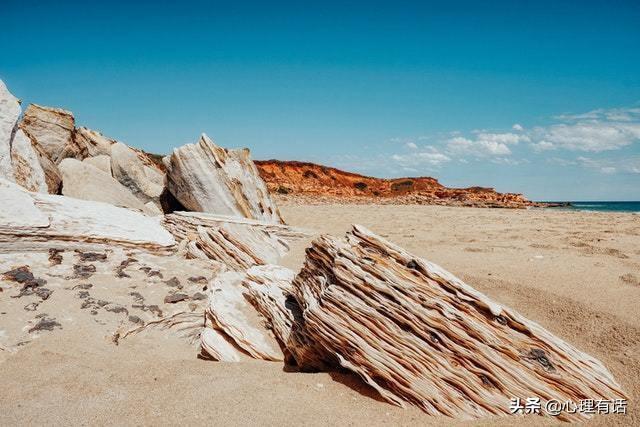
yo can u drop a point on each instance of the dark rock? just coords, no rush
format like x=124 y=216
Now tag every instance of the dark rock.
x=91 y=256
x=83 y=271
x=45 y=324
x=124 y=264
x=137 y=296
x=21 y=274
x=174 y=298
x=55 y=257
x=83 y=294
x=136 y=319
x=155 y=273
x=145 y=269
x=198 y=279
x=43 y=293
x=174 y=283
x=198 y=296
x=117 y=309
x=33 y=306
x=83 y=286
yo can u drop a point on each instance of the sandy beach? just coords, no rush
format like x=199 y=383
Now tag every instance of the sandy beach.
x=575 y=273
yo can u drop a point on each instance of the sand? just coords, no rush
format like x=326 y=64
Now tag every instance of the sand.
x=577 y=274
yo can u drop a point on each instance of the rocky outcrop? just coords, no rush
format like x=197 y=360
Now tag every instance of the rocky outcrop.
x=31 y=221
x=9 y=113
x=314 y=183
x=27 y=170
x=145 y=182
x=102 y=162
x=236 y=242
x=418 y=334
x=93 y=143
x=206 y=178
x=83 y=181
x=53 y=130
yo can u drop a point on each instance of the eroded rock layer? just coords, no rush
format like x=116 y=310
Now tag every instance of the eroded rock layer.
x=206 y=178
x=30 y=221
x=236 y=242
x=416 y=333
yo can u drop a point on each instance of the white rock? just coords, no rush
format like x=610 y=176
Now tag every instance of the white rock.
x=52 y=129
x=26 y=164
x=86 y=182
x=130 y=171
x=232 y=314
x=30 y=221
x=208 y=178
x=9 y=113
x=101 y=162
x=93 y=143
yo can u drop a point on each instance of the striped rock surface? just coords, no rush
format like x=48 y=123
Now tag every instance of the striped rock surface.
x=206 y=178
x=418 y=334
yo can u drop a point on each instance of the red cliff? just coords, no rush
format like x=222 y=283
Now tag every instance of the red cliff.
x=302 y=179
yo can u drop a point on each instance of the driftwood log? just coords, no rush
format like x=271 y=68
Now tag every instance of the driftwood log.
x=418 y=334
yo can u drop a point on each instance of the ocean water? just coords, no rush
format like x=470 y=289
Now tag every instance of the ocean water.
x=604 y=206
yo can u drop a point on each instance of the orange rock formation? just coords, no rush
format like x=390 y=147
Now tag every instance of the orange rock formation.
x=302 y=179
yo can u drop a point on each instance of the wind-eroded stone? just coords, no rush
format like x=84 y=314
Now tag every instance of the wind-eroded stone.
x=206 y=178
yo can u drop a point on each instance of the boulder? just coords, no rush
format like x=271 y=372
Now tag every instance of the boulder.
x=418 y=334
x=83 y=181
x=130 y=171
x=238 y=243
x=93 y=143
x=206 y=178
x=34 y=221
x=52 y=129
x=9 y=113
x=101 y=162
x=27 y=170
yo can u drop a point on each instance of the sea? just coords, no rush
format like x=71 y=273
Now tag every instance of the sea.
x=604 y=206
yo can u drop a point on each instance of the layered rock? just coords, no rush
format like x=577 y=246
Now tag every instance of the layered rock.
x=206 y=178
x=320 y=184
x=31 y=221
x=236 y=242
x=27 y=170
x=83 y=181
x=145 y=182
x=9 y=113
x=53 y=130
x=93 y=143
x=418 y=334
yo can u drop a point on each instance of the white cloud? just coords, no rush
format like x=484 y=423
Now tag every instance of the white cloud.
x=411 y=145
x=595 y=131
x=427 y=156
x=517 y=127
x=587 y=136
x=610 y=166
x=484 y=144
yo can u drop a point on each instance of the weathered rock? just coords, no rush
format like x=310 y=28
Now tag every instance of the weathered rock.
x=26 y=164
x=9 y=113
x=206 y=178
x=52 y=129
x=51 y=172
x=30 y=221
x=236 y=242
x=86 y=182
x=418 y=334
x=93 y=143
x=101 y=162
x=230 y=313
x=130 y=171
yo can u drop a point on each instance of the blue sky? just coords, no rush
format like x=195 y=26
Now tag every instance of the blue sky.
x=540 y=98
